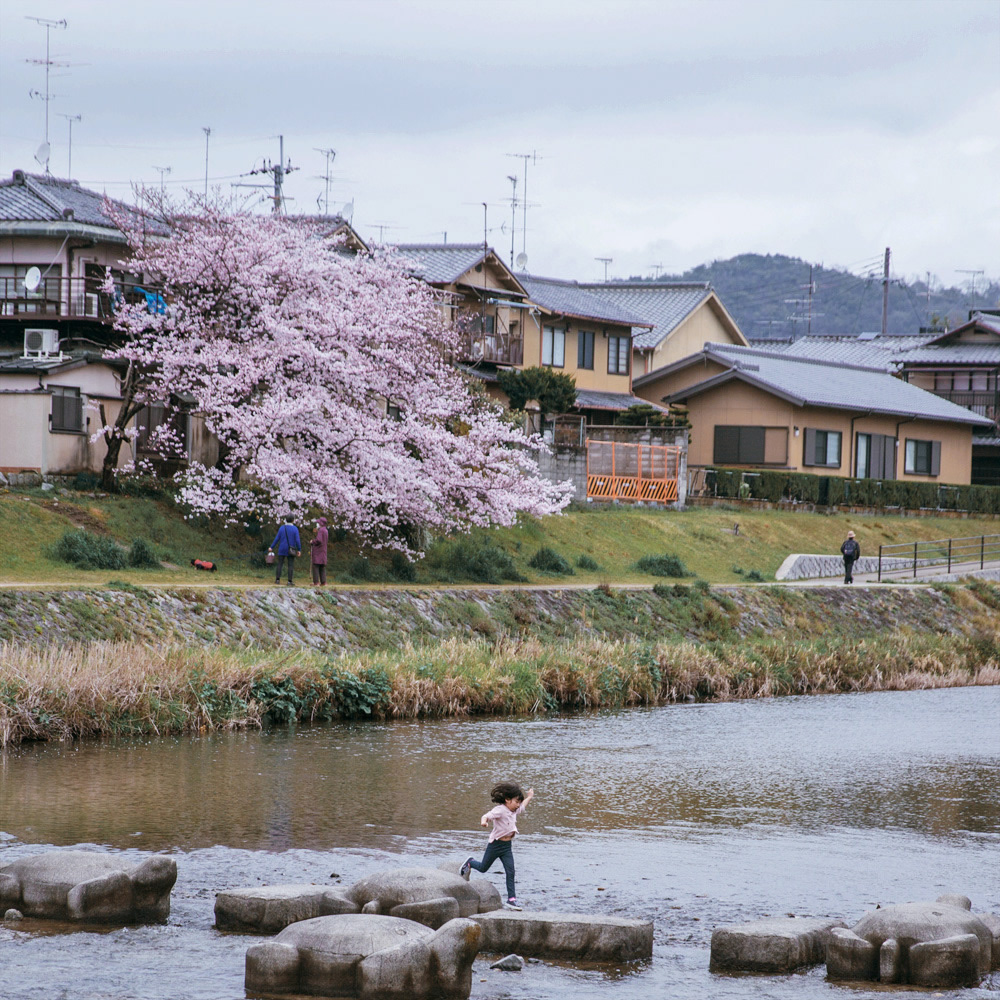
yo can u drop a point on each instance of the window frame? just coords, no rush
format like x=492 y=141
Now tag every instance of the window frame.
x=64 y=394
x=921 y=457
x=551 y=335
x=615 y=352
x=585 y=344
x=811 y=448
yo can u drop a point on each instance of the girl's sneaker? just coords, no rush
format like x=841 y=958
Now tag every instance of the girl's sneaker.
x=465 y=869
x=512 y=904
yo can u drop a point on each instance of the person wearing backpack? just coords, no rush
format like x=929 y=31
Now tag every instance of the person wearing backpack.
x=289 y=545
x=851 y=552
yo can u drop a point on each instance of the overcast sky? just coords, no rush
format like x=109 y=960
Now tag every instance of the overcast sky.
x=667 y=133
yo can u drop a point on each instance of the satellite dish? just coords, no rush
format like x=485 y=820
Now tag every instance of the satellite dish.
x=347 y=212
x=42 y=155
x=521 y=261
x=32 y=278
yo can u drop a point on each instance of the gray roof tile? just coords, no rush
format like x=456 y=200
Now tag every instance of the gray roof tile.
x=442 y=263
x=593 y=399
x=572 y=299
x=953 y=354
x=843 y=387
x=878 y=352
x=666 y=305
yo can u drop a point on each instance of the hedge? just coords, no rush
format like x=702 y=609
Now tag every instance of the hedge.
x=776 y=485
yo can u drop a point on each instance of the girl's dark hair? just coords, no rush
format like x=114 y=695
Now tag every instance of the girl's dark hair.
x=504 y=791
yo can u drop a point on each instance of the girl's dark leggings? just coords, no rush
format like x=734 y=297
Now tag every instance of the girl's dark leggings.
x=498 y=849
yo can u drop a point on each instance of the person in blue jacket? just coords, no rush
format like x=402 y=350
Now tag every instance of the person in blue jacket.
x=287 y=542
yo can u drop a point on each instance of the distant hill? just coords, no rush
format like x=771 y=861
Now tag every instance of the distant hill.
x=762 y=292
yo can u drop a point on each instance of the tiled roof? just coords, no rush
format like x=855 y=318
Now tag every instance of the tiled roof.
x=571 y=299
x=666 y=305
x=42 y=198
x=874 y=352
x=442 y=263
x=953 y=354
x=823 y=383
x=593 y=399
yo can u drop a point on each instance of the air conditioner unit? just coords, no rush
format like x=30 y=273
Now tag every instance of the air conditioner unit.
x=40 y=343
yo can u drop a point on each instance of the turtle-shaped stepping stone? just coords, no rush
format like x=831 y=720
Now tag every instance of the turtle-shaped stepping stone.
x=367 y=956
x=89 y=887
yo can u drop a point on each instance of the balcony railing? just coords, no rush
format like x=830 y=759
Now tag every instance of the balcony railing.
x=74 y=298
x=501 y=349
x=985 y=402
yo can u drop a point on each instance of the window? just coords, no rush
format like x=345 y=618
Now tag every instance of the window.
x=942 y=382
x=822 y=448
x=922 y=458
x=619 y=352
x=393 y=412
x=585 y=349
x=750 y=445
x=979 y=381
x=876 y=456
x=960 y=381
x=15 y=298
x=172 y=441
x=554 y=346
x=67 y=409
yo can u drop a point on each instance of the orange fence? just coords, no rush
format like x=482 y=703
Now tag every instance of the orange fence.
x=618 y=471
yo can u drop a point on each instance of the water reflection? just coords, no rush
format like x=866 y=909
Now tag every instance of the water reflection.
x=694 y=816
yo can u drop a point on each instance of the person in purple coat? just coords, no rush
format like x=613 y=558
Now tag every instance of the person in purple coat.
x=318 y=545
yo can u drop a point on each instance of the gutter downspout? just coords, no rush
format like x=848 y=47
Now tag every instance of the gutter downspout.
x=908 y=420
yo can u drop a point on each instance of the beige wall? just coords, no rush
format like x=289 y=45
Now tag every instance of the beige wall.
x=657 y=388
x=599 y=378
x=703 y=326
x=737 y=403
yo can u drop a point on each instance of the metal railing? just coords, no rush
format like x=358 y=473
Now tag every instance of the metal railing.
x=982 y=401
x=74 y=298
x=619 y=471
x=940 y=555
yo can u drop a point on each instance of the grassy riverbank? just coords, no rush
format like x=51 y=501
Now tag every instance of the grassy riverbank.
x=131 y=688
x=596 y=544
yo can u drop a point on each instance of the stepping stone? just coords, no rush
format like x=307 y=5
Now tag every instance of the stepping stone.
x=566 y=935
x=267 y=909
x=780 y=944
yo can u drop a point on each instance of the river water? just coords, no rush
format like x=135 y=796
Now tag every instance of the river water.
x=693 y=816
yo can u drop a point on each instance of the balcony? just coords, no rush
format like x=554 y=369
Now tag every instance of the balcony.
x=497 y=348
x=73 y=298
x=985 y=402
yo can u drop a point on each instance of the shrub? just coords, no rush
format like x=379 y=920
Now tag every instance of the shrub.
x=88 y=551
x=755 y=575
x=555 y=391
x=142 y=555
x=402 y=569
x=85 y=481
x=360 y=568
x=475 y=558
x=549 y=561
x=666 y=565
x=585 y=562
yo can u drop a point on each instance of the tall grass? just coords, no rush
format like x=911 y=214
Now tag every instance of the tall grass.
x=130 y=688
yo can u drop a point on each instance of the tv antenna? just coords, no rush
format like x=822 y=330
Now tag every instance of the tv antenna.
x=331 y=155
x=605 y=261
x=278 y=171
x=966 y=270
x=513 y=213
x=656 y=269
x=162 y=170
x=48 y=24
x=525 y=157
x=70 y=119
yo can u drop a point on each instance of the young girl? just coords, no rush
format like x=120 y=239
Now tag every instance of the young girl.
x=511 y=802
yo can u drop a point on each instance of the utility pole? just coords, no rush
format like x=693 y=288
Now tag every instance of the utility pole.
x=277 y=171
x=71 y=119
x=513 y=210
x=47 y=62
x=605 y=261
x=885 y=292
x=207 y=132
x=812 y=288
x=162 y=170
x=656 y=269
x=331 y=155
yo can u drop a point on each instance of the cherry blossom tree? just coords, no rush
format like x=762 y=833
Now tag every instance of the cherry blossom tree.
x=325 y=377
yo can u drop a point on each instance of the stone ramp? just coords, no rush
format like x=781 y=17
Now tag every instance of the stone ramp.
x=566 y=935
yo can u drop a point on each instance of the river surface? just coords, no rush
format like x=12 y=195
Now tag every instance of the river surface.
x=693 y=816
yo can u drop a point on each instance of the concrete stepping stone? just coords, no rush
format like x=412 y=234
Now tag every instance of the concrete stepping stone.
x=267 y=909
x=776 y=944
x=566 y=935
